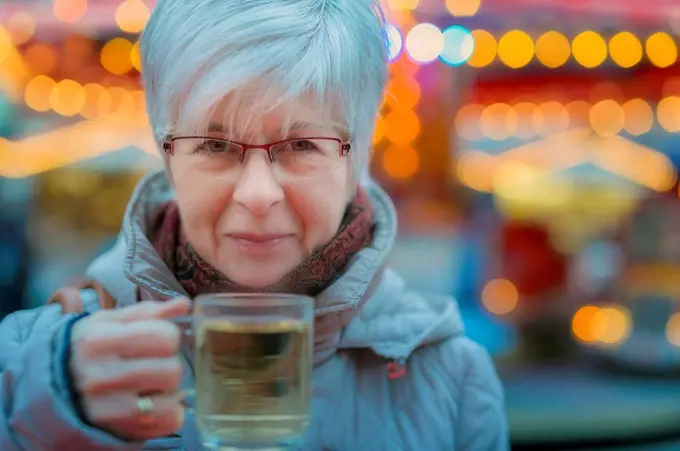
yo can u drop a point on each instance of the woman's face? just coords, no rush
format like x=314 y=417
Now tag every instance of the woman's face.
x=255 y=220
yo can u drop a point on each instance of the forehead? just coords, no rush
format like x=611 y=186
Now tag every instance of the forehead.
x=245 y=119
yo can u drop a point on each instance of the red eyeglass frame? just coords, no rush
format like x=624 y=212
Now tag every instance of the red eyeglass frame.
x=344 y=147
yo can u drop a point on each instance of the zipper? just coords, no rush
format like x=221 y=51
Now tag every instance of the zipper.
x=396 y=368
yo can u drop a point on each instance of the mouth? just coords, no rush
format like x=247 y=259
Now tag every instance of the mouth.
x=259 y=244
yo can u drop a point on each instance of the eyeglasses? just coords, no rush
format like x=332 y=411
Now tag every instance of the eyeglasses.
x=308 y=148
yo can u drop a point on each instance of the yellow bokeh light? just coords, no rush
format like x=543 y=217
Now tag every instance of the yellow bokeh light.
x=402 y=127
x=661 y=50
x=67 y=98
x=511 y=174
x=500 y=296
x=6 y=44
x=553 y=49
x=618 y=324
x=668 y=113
x=70 y=11
x=485 y=49
x=607 y=118
x=463 y=8
x=589 y=49
x=136 y=57
x=115 y=56
x=625 y=49
x=424 y=43
x=639 y=117
x=475 y=170
x=132 y=16
x=38 y=91
x=516 y=49
x=584 y=324
x=673 y=330
x=400 y=162
x=499 y=121
x=403 y=5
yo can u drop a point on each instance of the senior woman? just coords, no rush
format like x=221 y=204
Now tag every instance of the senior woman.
x=264 y=111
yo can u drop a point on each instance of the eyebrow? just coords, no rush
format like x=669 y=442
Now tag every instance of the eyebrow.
x=216 y=127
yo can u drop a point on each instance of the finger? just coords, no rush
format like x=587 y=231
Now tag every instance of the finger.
x=141 y=339
x=119 y=413
x=151 y=310
x=138 y=376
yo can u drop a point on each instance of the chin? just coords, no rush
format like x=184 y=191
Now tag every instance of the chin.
x=258 y=280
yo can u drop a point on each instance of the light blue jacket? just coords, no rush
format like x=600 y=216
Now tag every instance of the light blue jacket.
x=450 y=397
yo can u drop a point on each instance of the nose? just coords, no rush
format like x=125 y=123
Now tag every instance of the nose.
x=257 y=188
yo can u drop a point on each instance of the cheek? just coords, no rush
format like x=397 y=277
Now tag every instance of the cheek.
x=201 y=204
x=320 y=207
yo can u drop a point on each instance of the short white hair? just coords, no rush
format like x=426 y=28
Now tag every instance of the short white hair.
x=197 y=52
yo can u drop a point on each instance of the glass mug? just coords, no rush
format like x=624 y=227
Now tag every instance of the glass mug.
x=253 y=369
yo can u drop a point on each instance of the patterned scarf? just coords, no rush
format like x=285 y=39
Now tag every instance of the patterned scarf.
x=310 y=278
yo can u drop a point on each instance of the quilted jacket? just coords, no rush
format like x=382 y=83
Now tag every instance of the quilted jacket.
x=393 y=369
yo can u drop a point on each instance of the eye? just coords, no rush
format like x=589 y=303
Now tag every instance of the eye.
x=302 y=145
x=218 y=146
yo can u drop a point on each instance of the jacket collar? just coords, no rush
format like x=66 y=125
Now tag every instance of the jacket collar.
x=134 y=264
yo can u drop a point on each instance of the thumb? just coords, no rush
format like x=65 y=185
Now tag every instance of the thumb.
x=152 y=310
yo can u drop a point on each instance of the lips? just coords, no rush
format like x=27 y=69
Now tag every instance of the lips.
x=259 y=245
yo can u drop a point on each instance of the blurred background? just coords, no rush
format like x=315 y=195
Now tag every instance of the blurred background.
x=531 y=147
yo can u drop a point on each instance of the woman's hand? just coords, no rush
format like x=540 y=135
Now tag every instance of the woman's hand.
x=120 y=356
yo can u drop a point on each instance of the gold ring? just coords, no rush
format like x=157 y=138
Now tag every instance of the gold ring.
x=145 y=406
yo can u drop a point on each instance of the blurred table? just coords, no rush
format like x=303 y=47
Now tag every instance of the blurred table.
x=580 y=403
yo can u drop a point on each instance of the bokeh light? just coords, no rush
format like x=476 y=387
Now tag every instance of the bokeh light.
x=673 y=330
x=467 y=122
x=550 y=117
x=132 y=16
x=458 y=45
x=516 y=49
x=402 y=126
x=463 y=8
x=424 y=43
x=38 y=91
x=484 y=50
x=400 y=162
x=403 y=5
x=115 y=56
x=70 y=11
x=402 y=93
x=395 y=40
x=553 y=49
x=625 y=49
x=607 y=118
x=607 y=325
x=136 y=57
x=639 y=117
x=475 y=170
x=589 y=49
x=661 y=50
x=21 y=27
x=500 y=296
x=668 y=113
x=6 y=44
x=67 y=98
x=499 y=121
x=97 y=101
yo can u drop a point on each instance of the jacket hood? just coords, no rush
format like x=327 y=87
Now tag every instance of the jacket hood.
x=367 y=307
